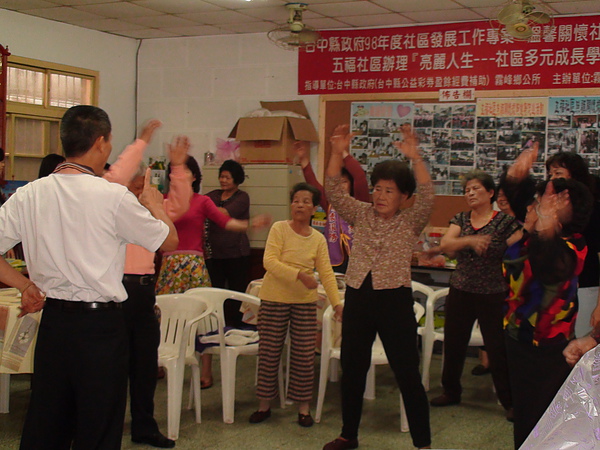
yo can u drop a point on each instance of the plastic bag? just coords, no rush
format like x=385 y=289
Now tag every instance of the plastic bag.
x=227 y=149
x=572 y=421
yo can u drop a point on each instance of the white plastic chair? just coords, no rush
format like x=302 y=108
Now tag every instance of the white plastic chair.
x=180 y=315
x=430 y=334
x=331 y=350
x=228 y=353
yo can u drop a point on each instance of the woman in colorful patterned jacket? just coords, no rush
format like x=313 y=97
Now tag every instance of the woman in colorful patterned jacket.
x=542 y=270
x=378 y=295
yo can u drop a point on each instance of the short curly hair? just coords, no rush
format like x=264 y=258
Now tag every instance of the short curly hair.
x=316 y=194
x=235 y=169
x=396 y=171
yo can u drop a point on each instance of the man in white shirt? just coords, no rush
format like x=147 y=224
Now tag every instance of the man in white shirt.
x=74 y=227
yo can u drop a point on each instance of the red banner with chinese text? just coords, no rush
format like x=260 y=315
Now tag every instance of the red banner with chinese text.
x=459 y=55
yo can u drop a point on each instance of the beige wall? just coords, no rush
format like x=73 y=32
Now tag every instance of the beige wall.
x=200 y=86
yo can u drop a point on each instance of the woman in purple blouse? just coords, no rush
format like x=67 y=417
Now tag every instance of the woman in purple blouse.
x=227 y=253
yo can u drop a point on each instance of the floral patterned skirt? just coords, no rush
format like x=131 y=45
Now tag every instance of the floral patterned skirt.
x=180 y=272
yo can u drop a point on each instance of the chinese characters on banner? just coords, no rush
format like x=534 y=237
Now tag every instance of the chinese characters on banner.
x=487 y=135
x=475 y=55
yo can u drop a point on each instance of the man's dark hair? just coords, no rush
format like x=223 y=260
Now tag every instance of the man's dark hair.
x=80 y=127
x=235 y=169
x=395 y=171
x=316 y=194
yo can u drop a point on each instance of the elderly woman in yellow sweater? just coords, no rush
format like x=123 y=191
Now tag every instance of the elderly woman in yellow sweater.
x=289 y=300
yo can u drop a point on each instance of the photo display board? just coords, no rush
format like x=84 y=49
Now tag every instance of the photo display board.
x=488 y=134
x=376 y=126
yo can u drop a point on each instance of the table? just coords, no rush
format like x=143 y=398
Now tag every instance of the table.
x=434 y=277
x=17 y=341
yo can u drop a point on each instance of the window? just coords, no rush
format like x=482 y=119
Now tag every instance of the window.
x=67 y=90
x=38 y=93
x=25 y=86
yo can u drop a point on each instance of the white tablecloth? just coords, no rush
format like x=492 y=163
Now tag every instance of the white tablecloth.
x=17 y=335
x=17 y=341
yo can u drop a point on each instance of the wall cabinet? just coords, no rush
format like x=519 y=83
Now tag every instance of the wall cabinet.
x=268 y=186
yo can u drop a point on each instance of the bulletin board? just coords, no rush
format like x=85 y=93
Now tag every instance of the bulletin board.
x=567 y=121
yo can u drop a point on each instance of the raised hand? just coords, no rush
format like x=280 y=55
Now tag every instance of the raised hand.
x=545 y=219
x=340 y=140
x=524 y=162
x=551 y=202
x=149 y=129
x=178 y=150
x=409 y=146
x=302 y=150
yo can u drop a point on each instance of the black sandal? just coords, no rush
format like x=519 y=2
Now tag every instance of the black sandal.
x=260 y=416
x=305 y=420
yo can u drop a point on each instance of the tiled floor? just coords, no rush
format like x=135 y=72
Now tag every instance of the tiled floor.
x=478 y=423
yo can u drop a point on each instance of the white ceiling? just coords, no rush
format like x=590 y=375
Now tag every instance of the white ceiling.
x=147 y=19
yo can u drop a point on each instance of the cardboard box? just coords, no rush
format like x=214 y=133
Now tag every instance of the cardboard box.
x=269 y=140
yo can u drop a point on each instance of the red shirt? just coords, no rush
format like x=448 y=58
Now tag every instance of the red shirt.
x=190 y=227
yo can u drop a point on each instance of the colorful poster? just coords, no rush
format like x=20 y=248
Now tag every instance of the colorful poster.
x=447 y=138
x=376 y=126
x=573 y=125
x=505 y=127
x=563 y=54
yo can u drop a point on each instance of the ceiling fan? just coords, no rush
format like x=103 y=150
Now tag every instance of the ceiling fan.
x=295 y=34
x=518 y=18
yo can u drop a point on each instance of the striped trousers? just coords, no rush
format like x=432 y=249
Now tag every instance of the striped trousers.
x=273 y=321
